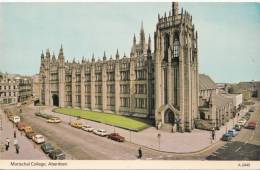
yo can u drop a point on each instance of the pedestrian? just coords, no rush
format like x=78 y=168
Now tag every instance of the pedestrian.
x=17 y=147
x=213 y=134
x=7 y=144
x=15 y=141
x=14 y=133
x=140 y=154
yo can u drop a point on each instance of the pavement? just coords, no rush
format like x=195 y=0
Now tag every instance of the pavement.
x=28 y=149
x=168 y=142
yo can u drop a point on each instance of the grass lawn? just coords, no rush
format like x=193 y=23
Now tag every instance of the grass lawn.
x=106 y=118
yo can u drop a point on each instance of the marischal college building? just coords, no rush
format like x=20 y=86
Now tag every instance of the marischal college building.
x=161 y=85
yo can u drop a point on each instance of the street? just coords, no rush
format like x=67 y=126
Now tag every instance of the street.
x=245 y=146
x=81 y=145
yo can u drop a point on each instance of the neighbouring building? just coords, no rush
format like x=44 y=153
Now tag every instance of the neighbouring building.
x=14 y=88
x=215 y=109
x=9 y=90
x=36 y=87
x=162 y=85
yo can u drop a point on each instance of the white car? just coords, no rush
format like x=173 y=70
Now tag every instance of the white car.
x=38 y=139
x=54 y=120
x=100 y=132
x=16 y=119
x=87 y=128
x=242 y=122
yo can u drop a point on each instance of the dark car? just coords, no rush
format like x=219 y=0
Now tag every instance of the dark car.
x=47 y=148
x=30 y=135
x=237 y=127
x=116 y=137
x=57 y=154
x=226 y=137
x=251 y=125
x=37 y=114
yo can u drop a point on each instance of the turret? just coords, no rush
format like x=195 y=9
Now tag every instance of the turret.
x=93 y=58
x=149 y=45
x=53 y=57
x=104 y=57
x=142 y=35
x=175 y=8
x=117 y=54
x=61 y=55
x=134 y=40
x=48 y=55
x=42 y=56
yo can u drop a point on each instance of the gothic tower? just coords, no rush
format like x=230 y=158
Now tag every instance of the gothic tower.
x=176 y=70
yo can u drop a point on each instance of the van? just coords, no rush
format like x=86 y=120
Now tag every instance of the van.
x=16 y=119
x=28 y=129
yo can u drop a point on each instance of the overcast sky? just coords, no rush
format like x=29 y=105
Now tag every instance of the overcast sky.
x=229 y=43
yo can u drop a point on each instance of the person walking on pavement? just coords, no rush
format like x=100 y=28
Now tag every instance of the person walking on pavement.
x=15 y=141
x=140 y=154
x=14 y=133
x=213 y=134
x=7 y=144
x=17 y=147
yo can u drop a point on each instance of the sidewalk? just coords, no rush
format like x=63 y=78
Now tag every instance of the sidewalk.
x=28 y=150
x=168 y=142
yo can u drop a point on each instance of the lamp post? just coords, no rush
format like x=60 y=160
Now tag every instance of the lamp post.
x=159 y=142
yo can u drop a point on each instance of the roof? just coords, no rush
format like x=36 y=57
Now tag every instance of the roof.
x=220 y=100
x=205 y=82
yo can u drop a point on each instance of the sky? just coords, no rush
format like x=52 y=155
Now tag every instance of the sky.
x=229 y=34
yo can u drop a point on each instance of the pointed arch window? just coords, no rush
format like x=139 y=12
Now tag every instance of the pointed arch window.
x=176 y=48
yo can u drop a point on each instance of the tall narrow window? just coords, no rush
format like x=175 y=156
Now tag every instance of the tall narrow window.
x=176 y=48
x=166 y=46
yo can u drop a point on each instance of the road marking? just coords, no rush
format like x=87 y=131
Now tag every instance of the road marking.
x=238 y=149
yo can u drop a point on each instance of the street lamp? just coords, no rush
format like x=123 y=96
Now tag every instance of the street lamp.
x=159 y=142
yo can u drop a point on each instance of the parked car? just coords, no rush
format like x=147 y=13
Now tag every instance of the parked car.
x=226 y=137
x=47 y=148
x=21 y=125
x=87 y=128
x=251 y=125
x=237 y=127
x=242 y=122
x=233 y=132
x=30 y=135
x=54 y=120
x=76 y=124
x=37 y=114
x=252 y=109
x=38 y=139
x=100 y=132
x=57 y=154
x=28 y=129
x=116 y=137
x=16 y=119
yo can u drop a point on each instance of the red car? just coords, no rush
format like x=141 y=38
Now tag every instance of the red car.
x=251 y=125
x=116 y=137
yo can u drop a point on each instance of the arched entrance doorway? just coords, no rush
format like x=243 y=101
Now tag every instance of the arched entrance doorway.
x=55 y=100
x=169 y=117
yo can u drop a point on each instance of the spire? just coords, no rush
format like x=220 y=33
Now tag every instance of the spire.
x=104 y=57
x=42 y=55
x=117 y=54
x=124 y=55
x=61 y=51
x=134 y=41
x=48 y=55
x=175 y=8
x=93 y=58
x=83 y=60
x=149 y=43
x=53 y=56
x=142 y=35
